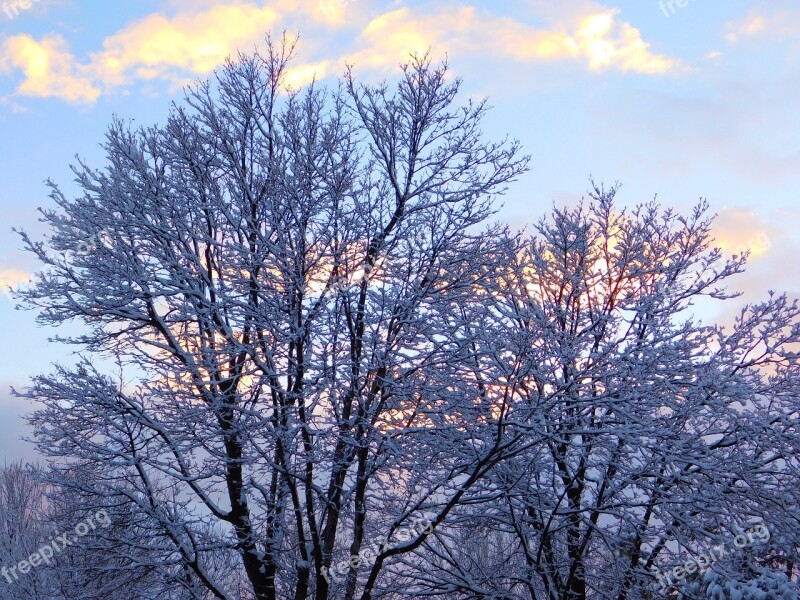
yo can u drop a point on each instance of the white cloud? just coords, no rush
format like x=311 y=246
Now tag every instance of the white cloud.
x=193 y=43
x=763 y=22
x=737 y=230
x=596 y=38
x=12 y=278
x=155 y=47
x=750 y=26
x=48 y=67
x=164 y=48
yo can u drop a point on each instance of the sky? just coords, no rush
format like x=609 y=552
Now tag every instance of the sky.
x=678 y=99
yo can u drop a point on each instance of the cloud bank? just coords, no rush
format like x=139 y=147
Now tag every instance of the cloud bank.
x=192 y=44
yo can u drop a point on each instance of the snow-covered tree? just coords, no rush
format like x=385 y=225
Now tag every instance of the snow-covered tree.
x=661 y=436
x=765 y=585
x=279 y=290
x=36 y=516
x=311 y=370
x=24 y=528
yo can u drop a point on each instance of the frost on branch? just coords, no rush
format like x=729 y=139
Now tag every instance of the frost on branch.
x=301 y=336
x=282 y=298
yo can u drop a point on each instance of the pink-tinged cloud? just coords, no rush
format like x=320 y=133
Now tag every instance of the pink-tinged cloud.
x=175 y=49
x=772 y=264
x=763 y=22
x=12 y=279
x=166 y=48
x=597 y=39
x=194 y=42
x=48 y=68
x=738 y=230
x=750 y=26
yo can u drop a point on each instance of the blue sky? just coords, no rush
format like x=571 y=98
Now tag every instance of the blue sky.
x=683 y=99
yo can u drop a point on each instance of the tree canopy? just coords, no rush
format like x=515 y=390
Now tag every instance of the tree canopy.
x=312 y=367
